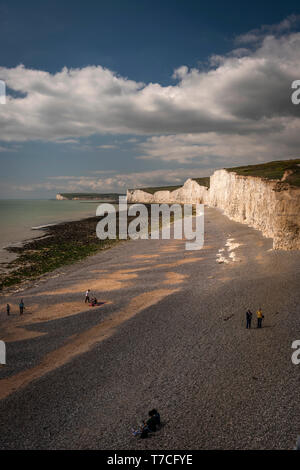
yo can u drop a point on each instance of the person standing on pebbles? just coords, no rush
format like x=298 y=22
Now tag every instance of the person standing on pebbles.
x=259 y=317
x=87 y=296
x=21 y=306
x=8 y=309
x=248 y=319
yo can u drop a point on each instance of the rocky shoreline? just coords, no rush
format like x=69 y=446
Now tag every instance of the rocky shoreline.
x=61 y=244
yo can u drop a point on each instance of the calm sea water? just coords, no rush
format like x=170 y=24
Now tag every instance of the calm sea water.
x=18 y=217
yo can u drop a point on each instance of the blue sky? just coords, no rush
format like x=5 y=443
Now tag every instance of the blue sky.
x=137 y=93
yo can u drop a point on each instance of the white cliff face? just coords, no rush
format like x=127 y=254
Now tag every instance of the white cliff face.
x=270 y=206
x=267 y=205
x=190 y=193
x=59 y=197
x=137 y=195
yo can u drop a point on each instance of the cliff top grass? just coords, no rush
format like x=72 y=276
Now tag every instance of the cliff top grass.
x=272 y=170
x=204 y=181
x=153 y=190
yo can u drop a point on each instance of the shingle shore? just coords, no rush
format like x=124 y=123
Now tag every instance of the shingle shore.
x=216 y=384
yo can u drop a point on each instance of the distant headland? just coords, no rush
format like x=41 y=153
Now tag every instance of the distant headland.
x=88 y=196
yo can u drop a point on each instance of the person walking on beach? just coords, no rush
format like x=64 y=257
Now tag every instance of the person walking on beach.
x=8 y=309
x=87 y=296
x=21 y=306
x=248 y=319
x=259 y=317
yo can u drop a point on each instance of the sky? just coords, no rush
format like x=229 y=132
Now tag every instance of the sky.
x=107 y=95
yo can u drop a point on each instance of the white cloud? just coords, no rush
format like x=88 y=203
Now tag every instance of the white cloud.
x=107 y=146
x=115 y=182
x=238 y=110
x=234 y=97
x=219 y=150
x=259 y=34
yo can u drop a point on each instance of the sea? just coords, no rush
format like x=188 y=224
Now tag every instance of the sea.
x=22 y=219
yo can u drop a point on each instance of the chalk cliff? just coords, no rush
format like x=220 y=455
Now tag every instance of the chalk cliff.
x=271 y=206
x=190 y=193
x=59 y=197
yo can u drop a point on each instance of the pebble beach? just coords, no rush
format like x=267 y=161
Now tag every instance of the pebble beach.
x=169 y=333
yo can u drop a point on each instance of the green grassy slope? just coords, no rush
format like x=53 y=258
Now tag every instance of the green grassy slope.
x=159 y=188
x=203 y=181
x=272 y=170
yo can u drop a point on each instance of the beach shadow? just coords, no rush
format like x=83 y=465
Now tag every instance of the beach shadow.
x=98 y=304
x=162 y=425
x=228 y=318
x=262 y=328
x=152 y=434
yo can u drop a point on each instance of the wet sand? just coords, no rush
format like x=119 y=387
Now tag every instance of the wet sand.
x=169 y=333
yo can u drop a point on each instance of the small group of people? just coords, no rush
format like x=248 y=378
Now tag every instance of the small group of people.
x=21 y=308
x=92 y=301
x=259 y=316
x=151 y=425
